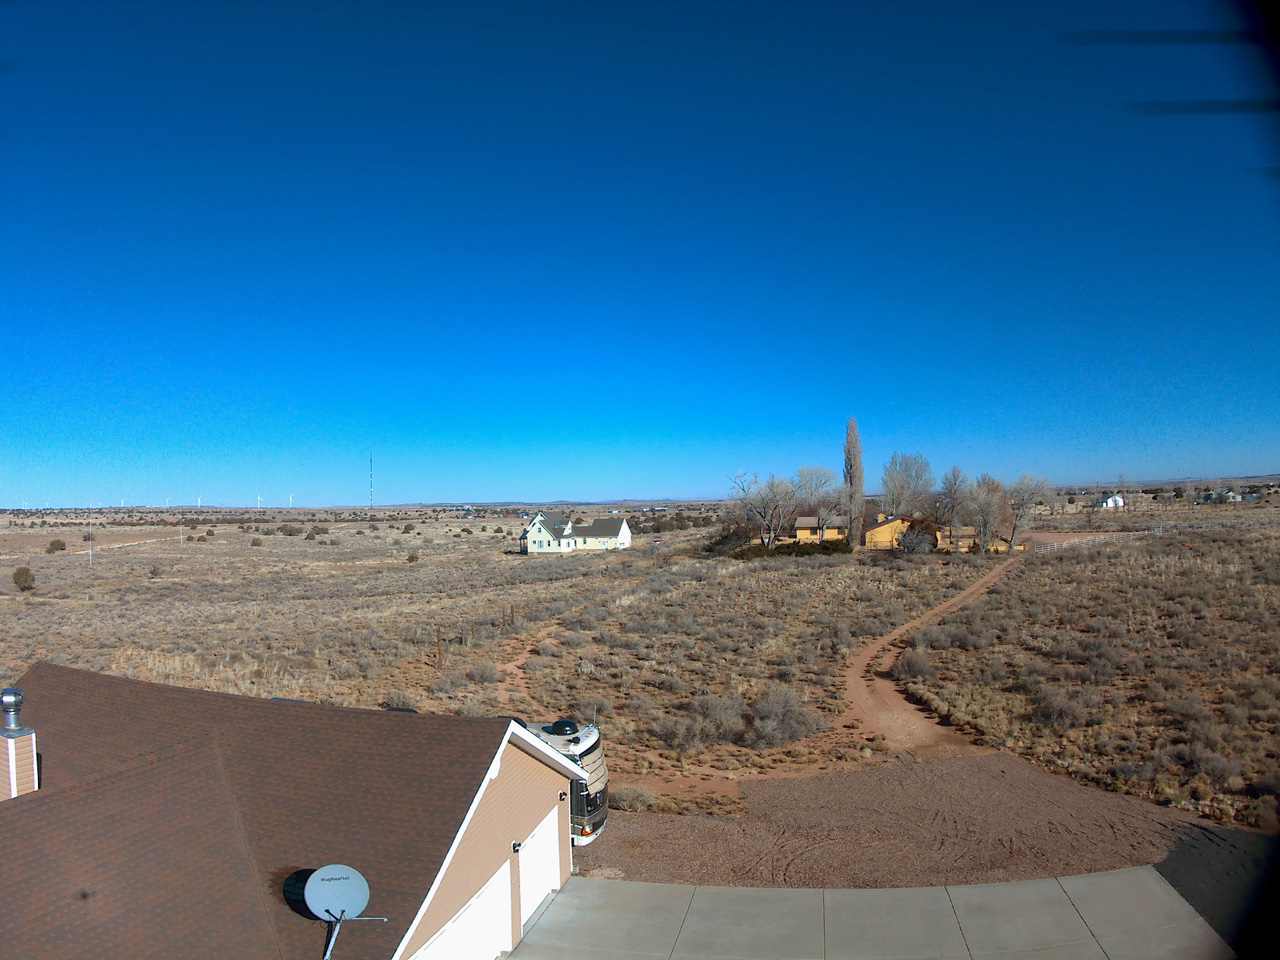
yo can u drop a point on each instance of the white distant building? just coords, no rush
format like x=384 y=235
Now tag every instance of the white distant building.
x=1114 y=502
x=552 y=532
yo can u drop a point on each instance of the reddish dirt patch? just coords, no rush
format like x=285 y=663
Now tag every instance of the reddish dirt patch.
x=973 y=819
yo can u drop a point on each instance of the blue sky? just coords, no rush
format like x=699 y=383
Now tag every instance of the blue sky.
x=598 y=250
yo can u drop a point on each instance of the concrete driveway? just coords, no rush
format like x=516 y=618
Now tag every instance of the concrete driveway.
x=1118 y=915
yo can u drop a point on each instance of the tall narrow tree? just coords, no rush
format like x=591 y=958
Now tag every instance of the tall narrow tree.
x=853 y=478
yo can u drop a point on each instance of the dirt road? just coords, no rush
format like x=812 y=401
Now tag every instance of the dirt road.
x=881 y=709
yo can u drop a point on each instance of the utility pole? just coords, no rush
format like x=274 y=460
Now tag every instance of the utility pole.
x=90 y=533
x=371 y=480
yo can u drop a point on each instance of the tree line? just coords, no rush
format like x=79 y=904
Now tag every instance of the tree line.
x=908 y=489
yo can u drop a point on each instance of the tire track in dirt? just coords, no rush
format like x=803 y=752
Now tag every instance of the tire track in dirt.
x=873 y=698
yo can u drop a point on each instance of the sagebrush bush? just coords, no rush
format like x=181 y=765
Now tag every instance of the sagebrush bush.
x=55 y=545
x=777 y=718
x=24 y=579
x=484 y=673
x=631 y=799
x=400 y=700
x=912 y=664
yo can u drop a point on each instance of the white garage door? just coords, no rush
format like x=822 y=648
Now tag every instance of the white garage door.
x=479 y=931
x=539 y=864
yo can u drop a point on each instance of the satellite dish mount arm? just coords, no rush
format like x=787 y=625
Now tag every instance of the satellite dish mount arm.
x=335 y=924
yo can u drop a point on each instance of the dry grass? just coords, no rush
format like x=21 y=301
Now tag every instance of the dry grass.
x=684 y=658
x=1150 y=667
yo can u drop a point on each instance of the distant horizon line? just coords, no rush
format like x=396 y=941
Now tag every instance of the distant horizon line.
x=620 y=501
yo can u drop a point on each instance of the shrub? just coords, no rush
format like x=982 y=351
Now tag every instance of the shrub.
x=807 y=549
x=448 y=683
x=777 y=717
x=722 y=716
x=916 y=540
x=320 y=530
x=255 y=542
x=311 y=535
x=590 y=707
x=55 y=545
x=24 y=579
x=88 y=537
x=631 y=799
x=400 y=700
x=408 y=528
x=288 y=529
x=1053 y=709
x=484 y=673
x=912 y=664
x=497 y=529
x=411 y=558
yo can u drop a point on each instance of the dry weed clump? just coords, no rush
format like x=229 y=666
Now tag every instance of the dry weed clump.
x=1151 y=667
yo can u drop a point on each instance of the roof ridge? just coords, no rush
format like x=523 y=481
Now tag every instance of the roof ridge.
x=260 y=896
x=137 y=762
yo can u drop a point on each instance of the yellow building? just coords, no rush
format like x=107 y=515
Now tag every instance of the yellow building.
x=808 y=528
x=884 y=534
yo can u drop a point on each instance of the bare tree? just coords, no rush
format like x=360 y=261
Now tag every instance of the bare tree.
x=986 y=507
x=817 y=486
x=951 y=497
x=1023 y=497
x=906 y=481
x=853 y=478
x=767 y=506
x=1090 y=507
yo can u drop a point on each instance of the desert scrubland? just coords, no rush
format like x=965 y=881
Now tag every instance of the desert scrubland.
x=1144 y=670
x=1150 y=667
x=685 y=659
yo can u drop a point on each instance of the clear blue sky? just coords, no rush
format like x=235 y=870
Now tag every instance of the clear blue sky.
x=596 y=250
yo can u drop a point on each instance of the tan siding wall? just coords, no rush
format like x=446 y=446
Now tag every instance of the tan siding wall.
x=20 y=761
x=514 y=804
x=566 y=848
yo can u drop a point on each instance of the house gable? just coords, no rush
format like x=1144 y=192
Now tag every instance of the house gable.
x=521 y=787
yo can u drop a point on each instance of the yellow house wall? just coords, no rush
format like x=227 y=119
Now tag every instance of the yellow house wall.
x=811 y=533
x=886 y=537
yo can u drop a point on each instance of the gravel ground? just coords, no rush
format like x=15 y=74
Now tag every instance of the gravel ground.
x=904 y=824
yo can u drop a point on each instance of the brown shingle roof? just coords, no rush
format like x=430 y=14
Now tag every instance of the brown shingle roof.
x=148 y=861
x=308 y=784
x=606 y=527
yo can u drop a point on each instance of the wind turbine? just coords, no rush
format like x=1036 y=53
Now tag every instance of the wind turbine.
x=259 y=501
x=291 y=501
x=166 y=503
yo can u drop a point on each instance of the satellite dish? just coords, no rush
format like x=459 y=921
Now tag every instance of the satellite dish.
x=336 y=892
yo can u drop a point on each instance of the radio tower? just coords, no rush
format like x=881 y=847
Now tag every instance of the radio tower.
x=370 y=480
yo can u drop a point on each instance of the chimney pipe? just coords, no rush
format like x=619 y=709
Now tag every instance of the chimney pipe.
x=18 y=754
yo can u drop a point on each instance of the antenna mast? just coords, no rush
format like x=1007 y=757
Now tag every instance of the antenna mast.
x=370 y=479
